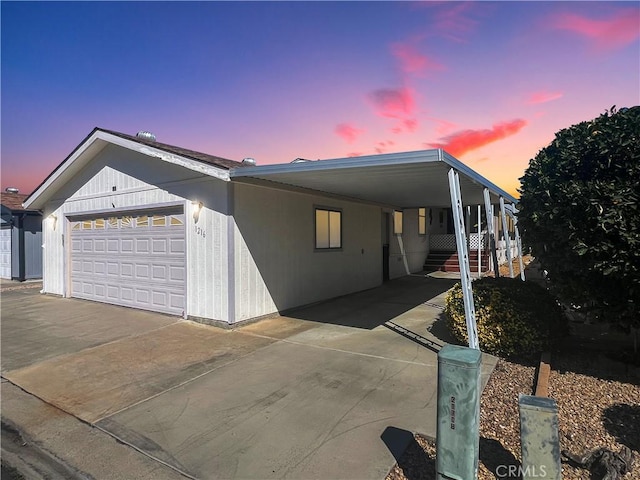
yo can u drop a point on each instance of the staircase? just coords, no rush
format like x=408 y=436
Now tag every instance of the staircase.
x=448 y=261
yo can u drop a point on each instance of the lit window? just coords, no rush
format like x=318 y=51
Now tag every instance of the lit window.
x=142 y=221
x=126 y=222
x=422 y=221
x=87 y=225
x=328 y=229
x=100 y=223
x=113 y=222
x=397 y=222
x=158 y=221
x=176 y=220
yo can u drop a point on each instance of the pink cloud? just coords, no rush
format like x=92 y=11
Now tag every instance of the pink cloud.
x=396 y=103
x=382 y=147
x=348 y=132
x=354 y=154
x=543 y=97
x=412 y=61
x=393 y=102
x=444 y=127
x=453 y=21
x=617 y=31
x=464 y=141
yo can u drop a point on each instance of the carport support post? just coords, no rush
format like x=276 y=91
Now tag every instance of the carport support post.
x=519 y=244
x=491 y=232
x=479 y=217
x=463 y=258
x=507 y=239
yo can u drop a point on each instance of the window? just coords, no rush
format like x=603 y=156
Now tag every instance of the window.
x=397 y=222
x=328 y=228
x=422 y=221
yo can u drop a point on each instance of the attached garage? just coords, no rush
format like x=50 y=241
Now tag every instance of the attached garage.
x=134 y=259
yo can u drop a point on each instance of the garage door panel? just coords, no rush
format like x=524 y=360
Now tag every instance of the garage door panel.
x=126 y=245
x=99 y=245
x=113 y=245
x=130 y=261
x=126 y=270
x=177 y=245
x=142 y=245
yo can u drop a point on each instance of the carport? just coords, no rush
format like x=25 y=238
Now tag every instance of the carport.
x=402 y=181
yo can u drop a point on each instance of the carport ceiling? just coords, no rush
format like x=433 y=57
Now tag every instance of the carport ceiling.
x=402 y=180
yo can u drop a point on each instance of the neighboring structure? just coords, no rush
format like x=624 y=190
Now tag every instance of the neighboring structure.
x=20 y=238
x=135 y=222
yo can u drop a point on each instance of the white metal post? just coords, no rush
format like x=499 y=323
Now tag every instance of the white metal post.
x=506 y=236
x=488 y=210
x=512 y=212
x=463 y=258
x=519 y=244
x=479 y=217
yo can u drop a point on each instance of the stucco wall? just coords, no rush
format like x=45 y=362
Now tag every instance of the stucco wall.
x=141 y=182
x=277 y=266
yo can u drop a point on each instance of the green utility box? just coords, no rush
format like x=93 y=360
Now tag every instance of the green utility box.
x=458 y=434
x=539 y=438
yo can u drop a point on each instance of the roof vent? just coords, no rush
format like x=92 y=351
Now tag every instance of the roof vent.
x=249 y=161
x=11 y=190
x=300 y=160
x=144 y=135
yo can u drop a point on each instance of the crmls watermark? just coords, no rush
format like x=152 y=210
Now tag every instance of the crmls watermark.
x=518 y=471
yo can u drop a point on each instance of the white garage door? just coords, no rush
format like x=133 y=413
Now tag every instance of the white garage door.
x=136 y=260
x=5 y=253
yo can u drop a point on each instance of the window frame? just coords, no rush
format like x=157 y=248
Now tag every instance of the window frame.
x=329 y=210
x=398 y=227
x=422 y=221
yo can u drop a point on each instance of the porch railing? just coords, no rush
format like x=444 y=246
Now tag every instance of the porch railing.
x=444 y=242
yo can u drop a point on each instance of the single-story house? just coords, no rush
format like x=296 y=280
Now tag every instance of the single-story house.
x=20 y=238
x=135 y=222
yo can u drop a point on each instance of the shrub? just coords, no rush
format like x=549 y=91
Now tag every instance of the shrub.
x=513 y=317
x=580 y=214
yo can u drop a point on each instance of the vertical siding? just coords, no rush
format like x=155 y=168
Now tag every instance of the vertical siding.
x=276 y=265
x=141 y=182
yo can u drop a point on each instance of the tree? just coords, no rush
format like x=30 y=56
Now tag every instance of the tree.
x=580 y=214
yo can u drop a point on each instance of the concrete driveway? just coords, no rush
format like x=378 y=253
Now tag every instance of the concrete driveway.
x=321 y=393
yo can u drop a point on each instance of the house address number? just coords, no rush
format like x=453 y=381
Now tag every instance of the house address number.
x=200 y=231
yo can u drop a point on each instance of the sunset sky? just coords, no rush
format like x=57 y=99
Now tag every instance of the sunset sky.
x=490 y=82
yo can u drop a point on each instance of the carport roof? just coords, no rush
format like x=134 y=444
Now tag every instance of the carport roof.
x=400 y=180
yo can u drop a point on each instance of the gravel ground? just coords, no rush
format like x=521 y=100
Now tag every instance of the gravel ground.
x=598 y=404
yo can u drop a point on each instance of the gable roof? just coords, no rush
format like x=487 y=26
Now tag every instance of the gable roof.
x=183 y=152
x=211 y=165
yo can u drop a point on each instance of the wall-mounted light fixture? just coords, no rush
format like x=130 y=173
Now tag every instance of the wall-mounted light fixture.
x=53 y=219
x=197 y=207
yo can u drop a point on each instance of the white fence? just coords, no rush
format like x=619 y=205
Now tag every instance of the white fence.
x=447 y=242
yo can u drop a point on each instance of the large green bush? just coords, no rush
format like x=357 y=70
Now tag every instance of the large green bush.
x=513 y=317
x=580 y=214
